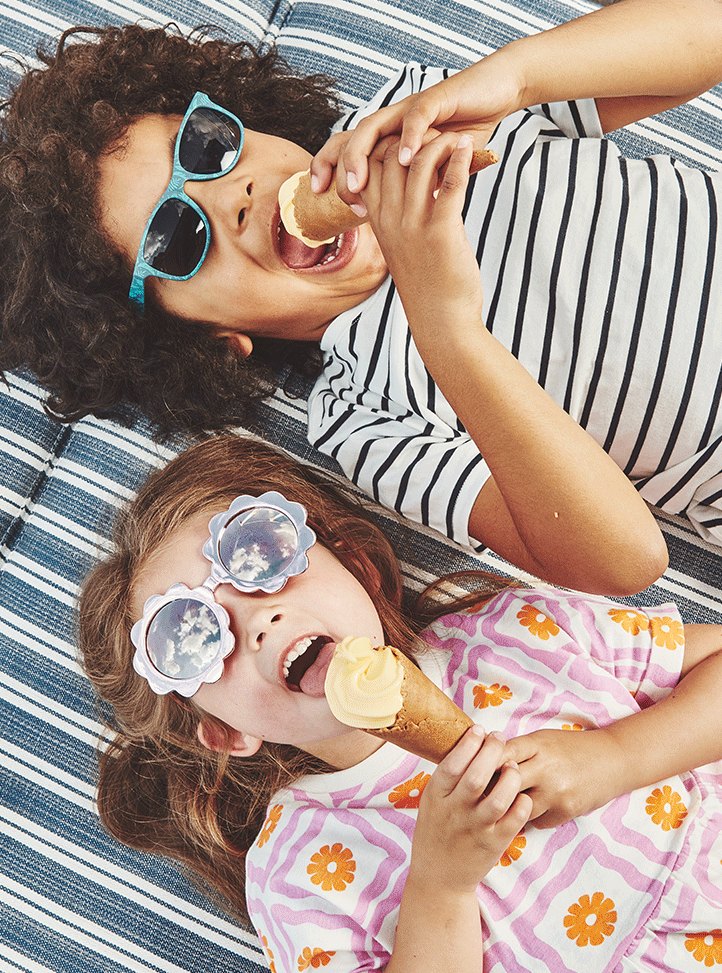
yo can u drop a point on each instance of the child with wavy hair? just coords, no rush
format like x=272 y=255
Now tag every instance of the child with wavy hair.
x=568 y=820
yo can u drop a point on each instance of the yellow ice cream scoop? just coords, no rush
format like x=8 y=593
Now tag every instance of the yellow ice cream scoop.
x=381 y=691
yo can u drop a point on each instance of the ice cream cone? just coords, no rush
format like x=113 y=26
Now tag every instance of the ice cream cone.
x=428 y=724
x=382 y=692
x=318 y=218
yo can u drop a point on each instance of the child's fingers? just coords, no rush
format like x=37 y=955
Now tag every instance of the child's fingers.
x=450 y=770
x=495 y=804
x=416 y=187
x=468 y=768
x=455 y=175
x=420 y=117
x=326 y=160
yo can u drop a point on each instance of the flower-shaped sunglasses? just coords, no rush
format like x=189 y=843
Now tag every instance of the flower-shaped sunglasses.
x=184 y=635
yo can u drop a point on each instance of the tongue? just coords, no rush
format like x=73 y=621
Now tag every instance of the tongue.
x=296 y=254
x=313 y=680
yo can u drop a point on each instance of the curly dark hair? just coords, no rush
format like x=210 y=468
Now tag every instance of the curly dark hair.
x=65 y=308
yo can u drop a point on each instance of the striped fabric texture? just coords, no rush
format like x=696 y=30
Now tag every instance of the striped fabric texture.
x=599 y=274
x=70 y=898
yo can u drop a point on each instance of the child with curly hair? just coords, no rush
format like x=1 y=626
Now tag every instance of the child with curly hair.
x=449 y=407
x=209 y=630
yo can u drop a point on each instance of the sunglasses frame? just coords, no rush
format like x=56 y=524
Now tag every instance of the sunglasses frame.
x=174 y=190
x=160 y=682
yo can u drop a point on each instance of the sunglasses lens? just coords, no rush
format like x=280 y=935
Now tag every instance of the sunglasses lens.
x=209 y=143
x=176 y=239
x=183 y=639
x=258 y=544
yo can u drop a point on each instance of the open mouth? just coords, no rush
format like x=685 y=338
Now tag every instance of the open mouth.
x=301 y=658
x=296 y=255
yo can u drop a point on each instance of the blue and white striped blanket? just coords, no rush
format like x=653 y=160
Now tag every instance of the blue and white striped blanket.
x=70 y=898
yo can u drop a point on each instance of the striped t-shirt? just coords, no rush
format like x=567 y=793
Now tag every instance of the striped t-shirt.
x=600 y=274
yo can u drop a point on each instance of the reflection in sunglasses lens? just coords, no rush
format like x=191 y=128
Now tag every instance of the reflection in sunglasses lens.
x=183 y=638
x=258 y=544
x=176 y=239
x=209 y=142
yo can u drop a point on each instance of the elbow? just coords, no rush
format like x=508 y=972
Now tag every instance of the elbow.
x=635 y=567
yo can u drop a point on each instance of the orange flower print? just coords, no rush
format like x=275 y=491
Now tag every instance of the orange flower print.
x=409 y=793
x=272 y=819
x=572 y=726
x=631 y=621
x=665 y=808
x=491 y=695
x=705 y=947
x=314 y=958
x=537 y=622
x=602 y=913
x=269 y=955
x=667 y=632
x=332 y=867
x=513 y=852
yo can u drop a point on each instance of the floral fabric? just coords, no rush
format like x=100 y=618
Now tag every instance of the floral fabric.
x=636 y=885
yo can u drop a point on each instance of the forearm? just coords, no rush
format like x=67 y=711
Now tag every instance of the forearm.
x=437 y=933
x=679 y=733
x=669 y=48
x=558 y=506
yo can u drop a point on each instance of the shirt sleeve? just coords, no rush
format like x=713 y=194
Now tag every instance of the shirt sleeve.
x=569 y=637
x=643 y=648
x=409 y=80
x=416 y=465
x=572 y=119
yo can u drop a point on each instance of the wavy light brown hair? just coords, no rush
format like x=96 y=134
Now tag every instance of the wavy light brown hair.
x=159 y=789
x=64 y=304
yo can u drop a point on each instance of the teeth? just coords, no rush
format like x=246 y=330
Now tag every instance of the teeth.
x=296 y=652
x=332 y=254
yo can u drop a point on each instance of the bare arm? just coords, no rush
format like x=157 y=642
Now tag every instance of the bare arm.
x=636 y=58
x=557 y=505
x=460 y=835
x=567 y=774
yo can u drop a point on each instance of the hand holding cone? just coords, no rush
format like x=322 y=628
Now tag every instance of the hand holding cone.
x=318 y=218
x=382 y=692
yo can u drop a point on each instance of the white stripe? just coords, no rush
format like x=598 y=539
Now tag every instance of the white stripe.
x=40 y=641
x=120 y=882
x=34 y=17
x=407 y=23
x=53 y=779
x=42 y=578
x=22 y=963
x=48 y=710
x=679 y=143
x=82 y=932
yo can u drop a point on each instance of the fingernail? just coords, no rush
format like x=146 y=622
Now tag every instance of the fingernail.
x=359 y=209
x=498 y=736
x=405 y=155
x=478 y=730
x=464 y=141
x=513 y=764
x=315 y=184
x=352 y=181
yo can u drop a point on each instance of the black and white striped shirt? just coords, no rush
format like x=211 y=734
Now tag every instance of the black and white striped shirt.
x=601 y=274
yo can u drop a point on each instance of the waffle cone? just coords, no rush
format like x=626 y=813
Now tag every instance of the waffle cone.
x=429 y=723
x=325 y=216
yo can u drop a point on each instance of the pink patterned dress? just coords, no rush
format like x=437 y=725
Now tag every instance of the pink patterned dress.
x=635 y=885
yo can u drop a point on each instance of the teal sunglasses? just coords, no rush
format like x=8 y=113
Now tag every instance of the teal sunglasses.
x=177 y=235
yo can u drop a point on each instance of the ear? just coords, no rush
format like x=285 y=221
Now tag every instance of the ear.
x=242 y=744
x=241 y=342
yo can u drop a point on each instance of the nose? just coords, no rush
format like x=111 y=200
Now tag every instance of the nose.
x=253 y=615
x=227 y=201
